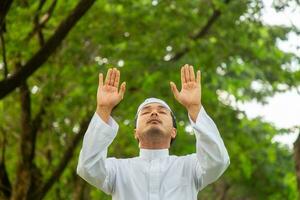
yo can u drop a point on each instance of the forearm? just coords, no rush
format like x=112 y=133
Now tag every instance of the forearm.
x=99 y=135
x=211 y=151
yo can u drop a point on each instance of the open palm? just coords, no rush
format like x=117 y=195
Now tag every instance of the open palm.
x=190 y=93
x=108 y=94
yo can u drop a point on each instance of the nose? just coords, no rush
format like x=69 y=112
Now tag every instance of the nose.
x=153 y=113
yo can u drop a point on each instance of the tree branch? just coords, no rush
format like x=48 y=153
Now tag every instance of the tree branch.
x=39 y=24
x=9 y=84
x=24 y=178
x=3 y=54
x=81 y=189
x=4 y=7
x=5 y=185
x=297 y=161
x=28 y=174
x=26 y=136
x=68 y=154
x=37 y=122
x=200 y=34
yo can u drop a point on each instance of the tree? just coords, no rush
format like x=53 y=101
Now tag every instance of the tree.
x=44 y=119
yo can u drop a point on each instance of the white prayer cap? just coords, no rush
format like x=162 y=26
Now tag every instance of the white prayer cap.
x=153 y=100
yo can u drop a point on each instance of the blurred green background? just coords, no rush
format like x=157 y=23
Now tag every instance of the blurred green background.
x=52 y=52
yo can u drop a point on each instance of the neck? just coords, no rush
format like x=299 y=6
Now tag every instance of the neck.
x=152 y=144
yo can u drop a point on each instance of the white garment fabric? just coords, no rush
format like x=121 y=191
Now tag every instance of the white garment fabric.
x=154 y=174
x=153 y=100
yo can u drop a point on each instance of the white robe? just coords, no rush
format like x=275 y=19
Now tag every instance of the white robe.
x=154 y=174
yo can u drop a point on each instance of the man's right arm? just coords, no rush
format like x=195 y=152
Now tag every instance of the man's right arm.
x=93 y=164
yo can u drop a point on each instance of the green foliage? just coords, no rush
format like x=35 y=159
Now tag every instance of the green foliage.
x=236 y=50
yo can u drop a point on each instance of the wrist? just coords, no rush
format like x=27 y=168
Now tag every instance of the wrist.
x=193 y=108
x=104 y=112
x=106 y=109
x=193 y=111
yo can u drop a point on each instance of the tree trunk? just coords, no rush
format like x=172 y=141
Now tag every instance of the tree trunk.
x=24 y=177
x=297 y=162
x=81 y=190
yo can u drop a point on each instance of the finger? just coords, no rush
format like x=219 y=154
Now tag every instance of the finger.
x=186 y=73
x=192 y=74
x=100 y=79
x=182 y=76
x=199 y=77
x=108 y=76
x=117 y=79
x=122 y=90
x=174 y=90
x=113 y=75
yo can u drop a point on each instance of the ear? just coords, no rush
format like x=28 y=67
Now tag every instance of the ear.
x=174 y=132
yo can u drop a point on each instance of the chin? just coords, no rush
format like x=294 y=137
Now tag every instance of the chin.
x=154 y=131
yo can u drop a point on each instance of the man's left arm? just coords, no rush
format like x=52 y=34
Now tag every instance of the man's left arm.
x=212 y=158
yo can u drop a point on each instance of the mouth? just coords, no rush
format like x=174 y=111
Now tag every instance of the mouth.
x=154 y=121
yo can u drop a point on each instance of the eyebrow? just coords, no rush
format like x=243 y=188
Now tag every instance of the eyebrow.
x=147 y=107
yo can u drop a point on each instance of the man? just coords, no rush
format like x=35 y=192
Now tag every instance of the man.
x=154 y=174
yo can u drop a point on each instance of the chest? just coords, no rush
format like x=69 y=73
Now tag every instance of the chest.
x=152 y=178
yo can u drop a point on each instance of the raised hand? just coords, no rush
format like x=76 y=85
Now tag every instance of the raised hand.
x=109 y=94
x=190 y=94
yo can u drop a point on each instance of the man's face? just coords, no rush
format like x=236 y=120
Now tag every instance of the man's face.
x=154 y=120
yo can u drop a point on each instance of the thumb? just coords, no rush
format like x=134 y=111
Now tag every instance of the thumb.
x=174 y=90
x=122 y=90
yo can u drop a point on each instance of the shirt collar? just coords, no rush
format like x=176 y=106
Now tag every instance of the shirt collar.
x=152 y=154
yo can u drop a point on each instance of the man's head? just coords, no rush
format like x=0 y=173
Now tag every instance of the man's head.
x=155 y=125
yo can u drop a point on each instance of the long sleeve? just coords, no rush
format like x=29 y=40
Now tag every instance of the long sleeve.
x=212 y=158
x=93 y=165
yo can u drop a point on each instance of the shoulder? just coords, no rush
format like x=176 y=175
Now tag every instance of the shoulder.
x=185 y=160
